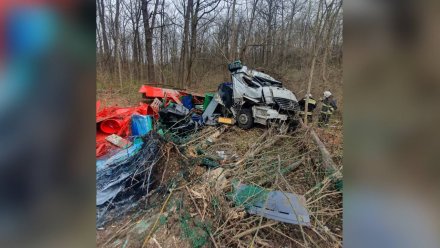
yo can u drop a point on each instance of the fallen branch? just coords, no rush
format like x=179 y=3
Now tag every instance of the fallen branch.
x=327 y=160
x=157 y=220
x=253 y=229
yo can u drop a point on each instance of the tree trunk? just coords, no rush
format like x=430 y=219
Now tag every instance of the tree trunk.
x=268 y=45
x=117 y=42
x=309 y=86
x=193 y=41
x=315 y=51
x=101 y=11
x=251 y=23
x=149 y=51
x=148 y=27
x=183 y=56
x=162 y=77
x=282 y=48
x=233 y=51
x=331 y=20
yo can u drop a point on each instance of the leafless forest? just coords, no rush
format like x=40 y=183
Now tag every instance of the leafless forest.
x=188 y=44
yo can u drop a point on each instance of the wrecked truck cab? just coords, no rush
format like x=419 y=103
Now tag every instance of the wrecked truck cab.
x=255 y=97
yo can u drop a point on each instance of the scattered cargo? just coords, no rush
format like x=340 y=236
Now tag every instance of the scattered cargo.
x=276 y=205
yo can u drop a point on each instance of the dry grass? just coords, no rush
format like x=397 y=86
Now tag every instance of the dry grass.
x=233 y=228
x=230 y=226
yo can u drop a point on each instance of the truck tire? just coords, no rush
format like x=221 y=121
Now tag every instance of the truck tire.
x=245 y=119
x=294 y=124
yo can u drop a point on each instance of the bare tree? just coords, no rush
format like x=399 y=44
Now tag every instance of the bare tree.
x=189 y=41
x=116 y=39
x=149 y=20
x=101 y=11
x=184 y=50
x=332 y=14
x=248 y=34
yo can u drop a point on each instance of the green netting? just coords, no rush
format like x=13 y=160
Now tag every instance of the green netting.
x=209 y=162
x=249 y=195
x=337 y=182
x=163 y=219
x=200 y=151
x=215 y=203
x=161 y=132
x=194 y=230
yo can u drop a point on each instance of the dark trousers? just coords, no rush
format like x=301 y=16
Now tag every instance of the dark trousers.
x=323 y=119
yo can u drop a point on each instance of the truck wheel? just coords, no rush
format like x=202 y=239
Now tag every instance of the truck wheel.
x=245 y=119
x=293 y=125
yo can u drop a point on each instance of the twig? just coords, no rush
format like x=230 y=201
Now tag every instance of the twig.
x=325 y=195
x=278 y=231
x=253 y=229
x=166 y=163
x=157 y=243
x=157 y=220
x=200 y=213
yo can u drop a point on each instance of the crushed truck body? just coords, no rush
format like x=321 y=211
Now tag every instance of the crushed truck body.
x=255 y=97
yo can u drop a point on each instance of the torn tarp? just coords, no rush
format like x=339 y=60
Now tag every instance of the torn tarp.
x=119 y=184
x=115 y=120
x=120 y=155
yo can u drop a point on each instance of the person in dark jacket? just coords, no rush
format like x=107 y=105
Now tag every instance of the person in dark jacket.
x=311 y=106
x=328 y=107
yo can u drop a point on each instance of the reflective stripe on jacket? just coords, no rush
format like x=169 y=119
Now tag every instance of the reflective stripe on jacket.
x=328 y=106
x=312 y=101
x=327 y=109
x=308 y=113
x=311 y=106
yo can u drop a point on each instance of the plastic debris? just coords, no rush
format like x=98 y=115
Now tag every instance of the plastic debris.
x=221 y=154
x=156 y=92
x=115 y=120
x=155 y=105
x=276 y=205
x=112 y=126
x=225 y=120
x=120 y=155
x=187 y=102
x=118 y=141
x=207 y=116
x=208 y=99
x=141 y=124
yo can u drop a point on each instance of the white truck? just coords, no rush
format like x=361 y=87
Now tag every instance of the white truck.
x=255 y=97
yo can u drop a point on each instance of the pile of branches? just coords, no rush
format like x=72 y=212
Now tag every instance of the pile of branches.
x=285 y=162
